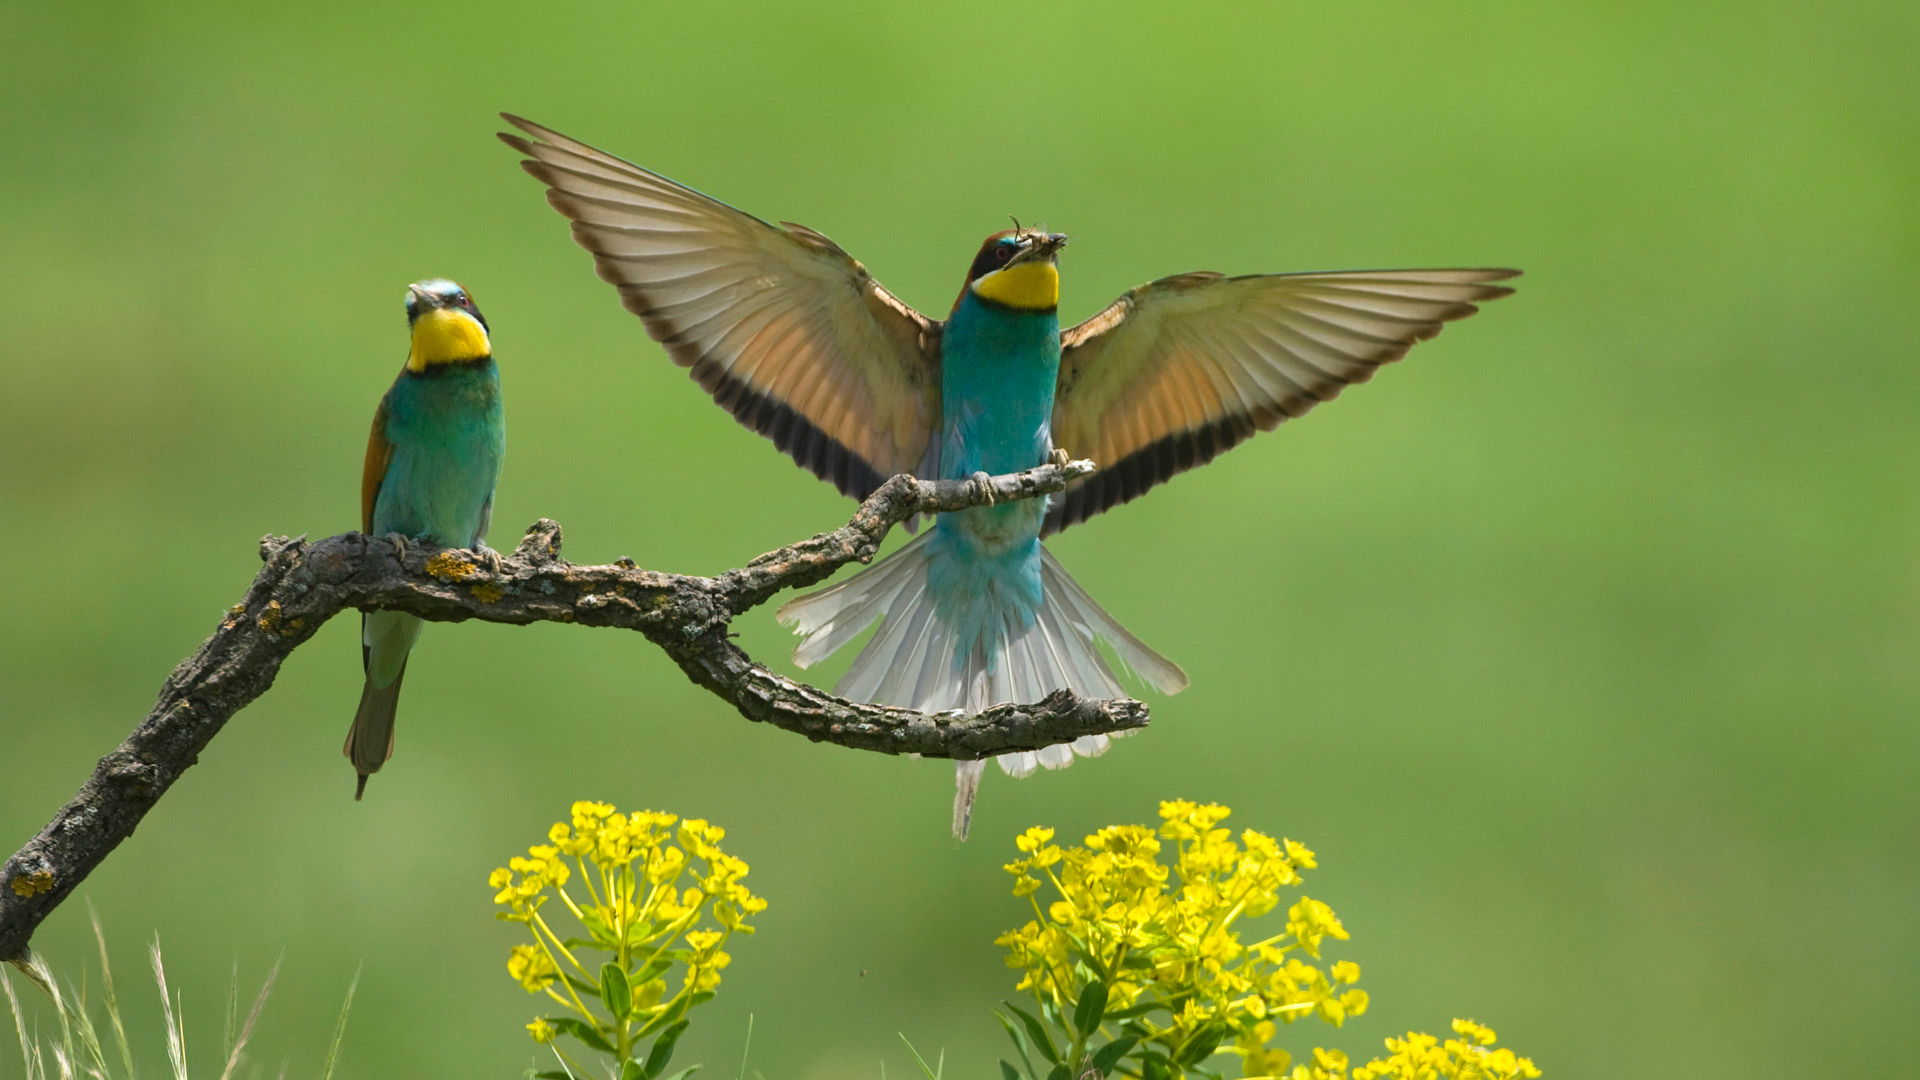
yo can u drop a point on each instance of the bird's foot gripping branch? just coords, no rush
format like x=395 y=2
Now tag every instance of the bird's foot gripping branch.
x=304 y=584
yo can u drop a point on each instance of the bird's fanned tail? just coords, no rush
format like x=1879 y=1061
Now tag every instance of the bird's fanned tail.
x=915 y=660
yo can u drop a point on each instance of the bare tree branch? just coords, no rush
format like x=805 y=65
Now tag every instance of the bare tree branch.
x=303 y=585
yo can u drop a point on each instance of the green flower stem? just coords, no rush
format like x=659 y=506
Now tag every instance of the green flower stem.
x=586 y=879
x=541 y=924
x=624 y=1040
x=568 y=900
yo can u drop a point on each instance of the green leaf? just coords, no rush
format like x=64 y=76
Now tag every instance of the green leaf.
x=683 y=1073
x=1201 y=1045
x=1060 y=1072
x=932 y=1074
x=633 y=1070
x=583 y=1031
x=581 y=985
x=1153 y=1067
x=1132 y=1011
x=655 y=968
x=672 y=1013
x=1019 y=1041
x=1105 y=1058
x=549 y=1075
x=1093 y=1003
x=1038 y=1033
x=1013 y=1032
x=1092 y=962
x=1007 y=1071
x=1149 y=1057
x=615 y=992
x=662 y=1051
x=602 y=933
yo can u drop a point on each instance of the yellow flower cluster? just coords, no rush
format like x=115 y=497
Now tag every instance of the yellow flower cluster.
x=1424 y=1057
x=531 y=967
x=1165 y=939
x=646 y=881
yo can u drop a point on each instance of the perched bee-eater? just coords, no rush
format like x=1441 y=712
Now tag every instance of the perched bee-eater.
x=796 y=339
x=432 y=460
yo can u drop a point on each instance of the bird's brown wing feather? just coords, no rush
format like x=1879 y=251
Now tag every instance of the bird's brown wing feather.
x=1183 y=368
x=785 y=330
x=379 y=455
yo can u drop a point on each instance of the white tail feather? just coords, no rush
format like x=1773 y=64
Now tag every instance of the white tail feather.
x=1155 y=670
x=911 y=660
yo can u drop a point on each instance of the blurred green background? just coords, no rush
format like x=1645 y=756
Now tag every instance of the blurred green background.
x=1581 y=645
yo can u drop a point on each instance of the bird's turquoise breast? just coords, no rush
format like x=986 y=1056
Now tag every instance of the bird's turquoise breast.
x=448 y=436
x=998 y=368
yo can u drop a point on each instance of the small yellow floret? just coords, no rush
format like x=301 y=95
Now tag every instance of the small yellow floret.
x=531 y=968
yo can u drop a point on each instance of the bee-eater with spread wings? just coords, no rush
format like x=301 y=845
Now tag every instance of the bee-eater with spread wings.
x=797 y=340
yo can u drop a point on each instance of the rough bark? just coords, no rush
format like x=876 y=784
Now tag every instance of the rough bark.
x=302 y=585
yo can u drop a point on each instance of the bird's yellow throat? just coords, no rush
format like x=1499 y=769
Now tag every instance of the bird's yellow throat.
x=1030 y=286
x=446 y=336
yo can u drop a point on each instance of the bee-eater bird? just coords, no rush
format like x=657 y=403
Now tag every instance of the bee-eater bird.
x=796 y=339
x=432 y=460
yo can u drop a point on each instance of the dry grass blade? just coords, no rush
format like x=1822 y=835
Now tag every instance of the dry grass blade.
x=172 y=1008
x=62 y=1051
x=340 y=1028
x=107 y=994
x=76 y=1020
x=238 y=1044
x=30 y=1064
x=233 y=1009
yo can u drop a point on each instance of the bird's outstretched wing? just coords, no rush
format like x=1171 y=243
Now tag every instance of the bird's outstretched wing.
x=785 y=330
x=1180 y=369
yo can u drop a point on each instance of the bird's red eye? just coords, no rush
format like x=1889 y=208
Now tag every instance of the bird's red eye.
x=1003 y=252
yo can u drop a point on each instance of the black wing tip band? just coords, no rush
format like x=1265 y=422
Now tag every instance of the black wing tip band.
x=1151 y=465
x=796 y=436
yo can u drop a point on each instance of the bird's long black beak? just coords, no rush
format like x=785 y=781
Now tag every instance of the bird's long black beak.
x=1043 y=246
